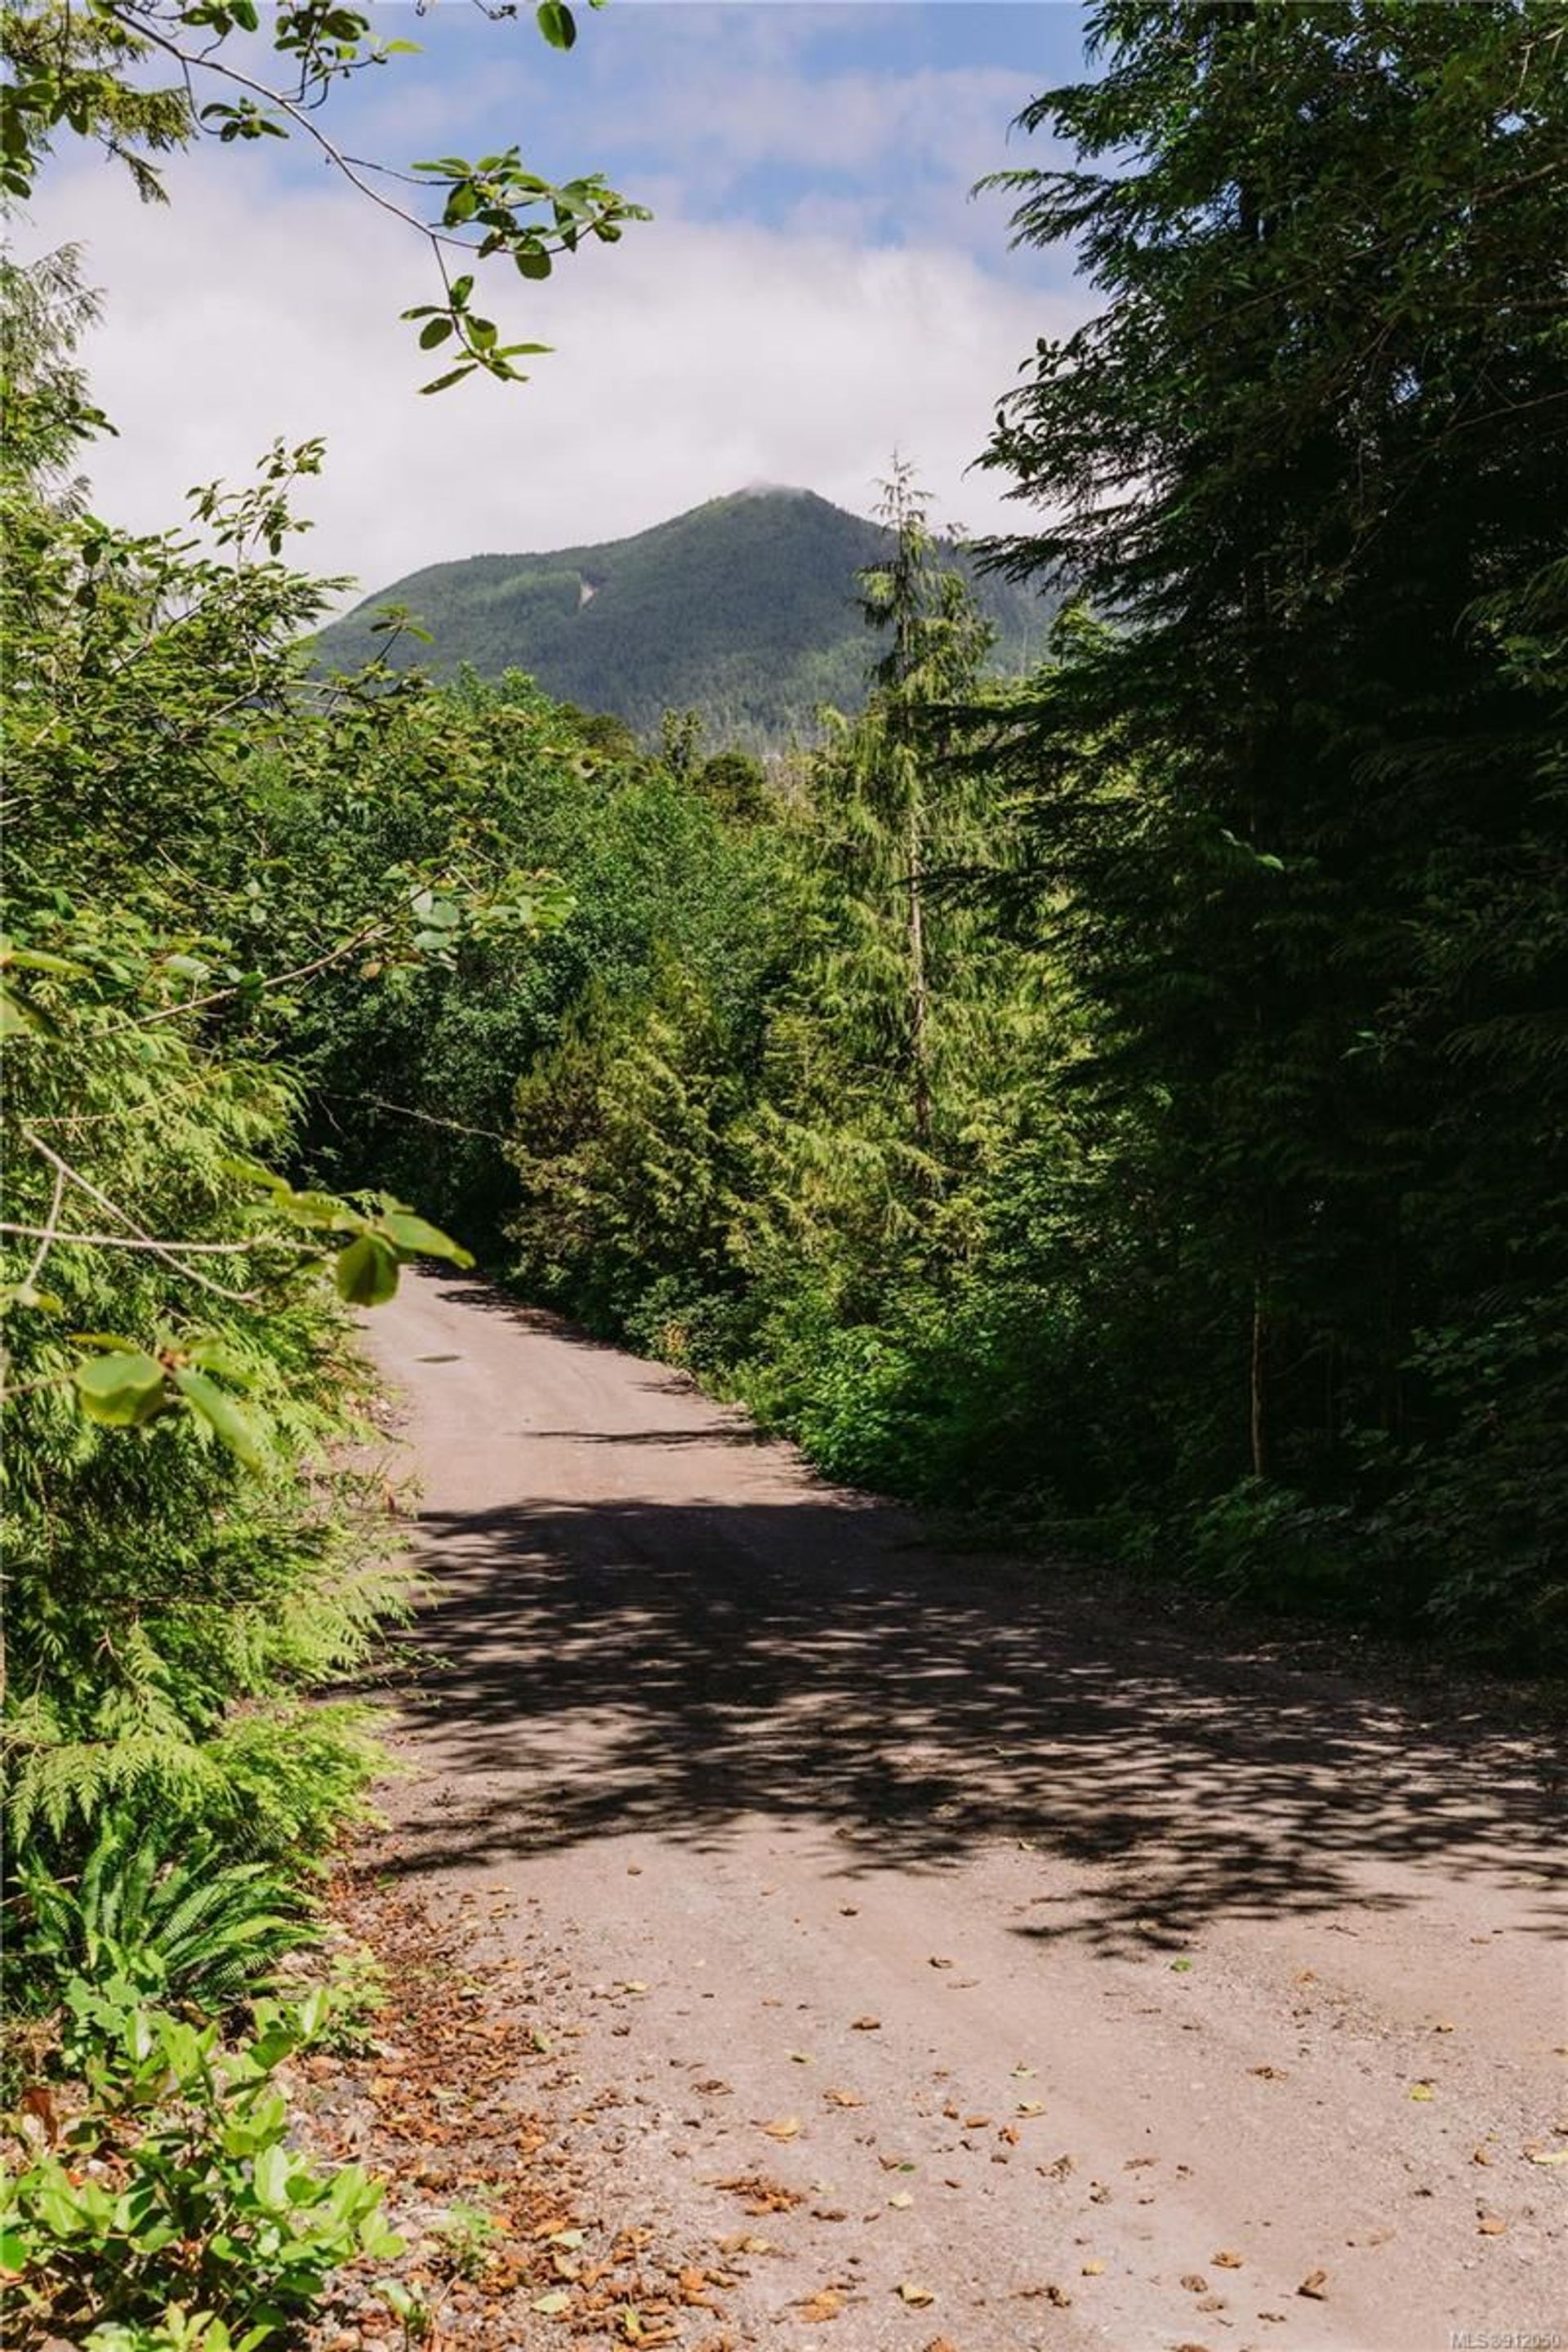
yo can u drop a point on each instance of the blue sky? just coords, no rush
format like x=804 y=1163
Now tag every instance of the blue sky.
x=756 y=108
x=816 y=286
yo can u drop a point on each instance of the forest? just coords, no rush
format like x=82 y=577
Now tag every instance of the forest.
x=1123 y=1104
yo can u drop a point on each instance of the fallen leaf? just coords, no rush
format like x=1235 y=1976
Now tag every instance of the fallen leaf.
x=941 y=2344
x=764 y=2196
x=975 y=2123
x=1268 y=2074
x=901 y=2198
x=38 y=2102
x=1031 y=2107
x=1315 y=2286
x=1023 y=2070
x=1421 y=2090
x=849 y=1910
x=633 y=1984
x=865 y=2025
x=1093 y=2268
x=1557 y=2155
x=552 y=2304
x=1481 y=2154
x=783 y=2127
x=844 y=2098
x=1443 y=2026
x=1492 y=2225
x=1225 y=2262
x=939 y=1964
x=826 y=2304
x=1195 y=2283
x=917 y=2296
x=800 y=2058
x=1180 y=1968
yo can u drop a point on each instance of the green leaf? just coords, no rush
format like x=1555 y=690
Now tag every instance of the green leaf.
x=120 y=1391
x=532 y=261
x=19 y=1019
x=269 y=2176
x=435 y=331
x=228 y=1424
x=418 y=1239
x=555 y=22
x=366 y=1272
x=453 y=375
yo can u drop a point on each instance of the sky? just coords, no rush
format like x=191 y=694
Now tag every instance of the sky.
x=817 y=289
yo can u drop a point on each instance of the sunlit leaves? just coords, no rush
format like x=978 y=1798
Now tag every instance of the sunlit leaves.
x=121 y=1390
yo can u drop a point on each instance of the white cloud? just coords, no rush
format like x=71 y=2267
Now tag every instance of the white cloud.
x=690 y=359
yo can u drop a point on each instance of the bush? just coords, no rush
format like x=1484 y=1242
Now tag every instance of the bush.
x=177 y=2214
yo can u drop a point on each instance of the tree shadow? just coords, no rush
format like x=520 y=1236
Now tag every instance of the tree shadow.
x=594 y=1670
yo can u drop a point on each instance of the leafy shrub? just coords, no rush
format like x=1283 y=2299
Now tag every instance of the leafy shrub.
x=176 y=2199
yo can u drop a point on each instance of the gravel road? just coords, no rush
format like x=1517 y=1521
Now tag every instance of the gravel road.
x=1089 y=1984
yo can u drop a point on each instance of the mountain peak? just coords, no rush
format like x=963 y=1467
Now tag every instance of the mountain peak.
x=775 y=490
x=745 y=609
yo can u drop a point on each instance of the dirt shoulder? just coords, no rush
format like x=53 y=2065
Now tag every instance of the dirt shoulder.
x=1061 y=1978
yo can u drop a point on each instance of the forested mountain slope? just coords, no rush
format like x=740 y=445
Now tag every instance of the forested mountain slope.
x=745 y=609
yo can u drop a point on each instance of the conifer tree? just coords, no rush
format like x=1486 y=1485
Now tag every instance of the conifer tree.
x=1317 y=432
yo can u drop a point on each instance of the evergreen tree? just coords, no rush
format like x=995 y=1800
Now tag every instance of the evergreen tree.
x=1291 y=817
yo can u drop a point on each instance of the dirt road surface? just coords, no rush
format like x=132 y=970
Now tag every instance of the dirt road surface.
x=1110 y=1988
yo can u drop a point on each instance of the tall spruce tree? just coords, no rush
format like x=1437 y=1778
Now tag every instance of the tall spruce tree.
x=1311 y=457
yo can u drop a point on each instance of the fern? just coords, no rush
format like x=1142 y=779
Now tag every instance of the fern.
x=159 y=1909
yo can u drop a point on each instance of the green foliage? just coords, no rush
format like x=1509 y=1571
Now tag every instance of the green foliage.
x=186 y=1547
x=177 y=2207
x=742 y=612
x=158 y=1909
x=1296 y=827
x=641 y=858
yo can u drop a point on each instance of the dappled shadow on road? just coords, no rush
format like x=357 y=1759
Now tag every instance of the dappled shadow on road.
x=592 y=1671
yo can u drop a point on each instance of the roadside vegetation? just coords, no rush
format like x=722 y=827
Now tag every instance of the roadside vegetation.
x=1129 y=1100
